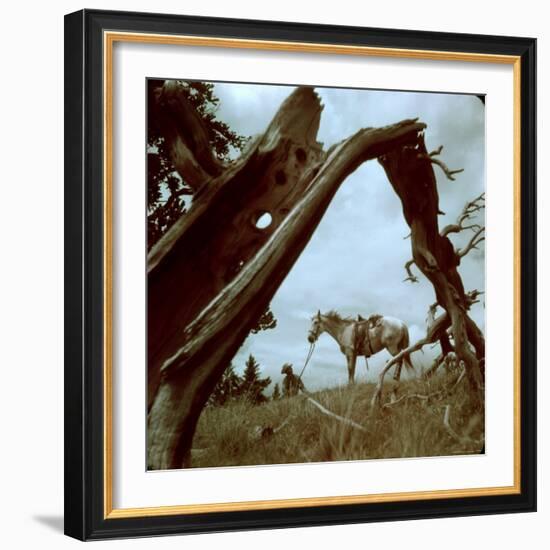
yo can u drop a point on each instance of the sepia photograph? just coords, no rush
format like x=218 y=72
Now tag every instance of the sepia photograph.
x=315 y=274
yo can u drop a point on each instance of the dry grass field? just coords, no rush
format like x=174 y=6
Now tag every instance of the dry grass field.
x=293 y=430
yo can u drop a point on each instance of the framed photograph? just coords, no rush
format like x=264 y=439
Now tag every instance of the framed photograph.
x=300 y=274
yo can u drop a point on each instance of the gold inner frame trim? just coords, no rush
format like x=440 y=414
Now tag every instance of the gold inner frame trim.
x=109 y=39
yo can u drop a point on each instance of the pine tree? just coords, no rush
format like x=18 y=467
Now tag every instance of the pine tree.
x=276 y=395
x=266 y=321
x=227 y=388
x=166 y=190
x=252 y=387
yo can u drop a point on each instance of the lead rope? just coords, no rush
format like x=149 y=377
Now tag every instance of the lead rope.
x=324 y=410
x=309 y=354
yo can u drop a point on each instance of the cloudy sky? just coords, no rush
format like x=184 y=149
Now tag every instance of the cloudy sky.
x=354 y=262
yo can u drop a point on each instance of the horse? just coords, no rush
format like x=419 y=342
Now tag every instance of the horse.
x=363 y=337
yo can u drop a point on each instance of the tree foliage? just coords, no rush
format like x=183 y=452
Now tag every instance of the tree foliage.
x=276 y=395
x=249 y=386
x=167 y=193
x=253 y=385
x=227 y=388
x=266 y=321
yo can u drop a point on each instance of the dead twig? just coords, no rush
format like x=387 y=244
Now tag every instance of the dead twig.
x=409 y=396
x=343 y=420
x=445 y=392
x=476 y=239
x=446 y=170
x=468 y=212
x=411 y=276
x=473 y=295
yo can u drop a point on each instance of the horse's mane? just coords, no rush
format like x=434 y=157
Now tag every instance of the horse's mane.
x=333 y=315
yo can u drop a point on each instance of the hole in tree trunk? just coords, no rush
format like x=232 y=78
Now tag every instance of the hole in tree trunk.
x=263 y=220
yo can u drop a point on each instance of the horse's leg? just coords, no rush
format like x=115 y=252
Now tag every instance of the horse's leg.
x=394 y=350
x=352 y=358
x=397 y=373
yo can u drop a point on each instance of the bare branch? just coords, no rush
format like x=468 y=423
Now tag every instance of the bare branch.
x=431 y=157
x=476 y=239
x=343 y=420
x=409 y=396
x=468 y=212
x=437 y=151
x=448 y=172
x=472 y=296
x=411 y=276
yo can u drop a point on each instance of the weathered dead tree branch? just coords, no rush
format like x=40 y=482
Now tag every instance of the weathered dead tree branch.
x=341 y=419
x=213 y=274
x=409 y=170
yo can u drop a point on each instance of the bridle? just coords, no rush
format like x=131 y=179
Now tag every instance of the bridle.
x=314 y=334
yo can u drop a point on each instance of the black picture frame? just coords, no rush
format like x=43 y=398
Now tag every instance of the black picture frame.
x=84 y=282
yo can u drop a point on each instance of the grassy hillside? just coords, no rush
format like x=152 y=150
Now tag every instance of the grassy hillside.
x=232 y=435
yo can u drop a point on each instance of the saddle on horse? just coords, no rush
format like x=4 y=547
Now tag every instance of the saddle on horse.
x=362 y=333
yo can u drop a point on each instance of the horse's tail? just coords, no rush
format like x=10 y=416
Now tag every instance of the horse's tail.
x=404 y=345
